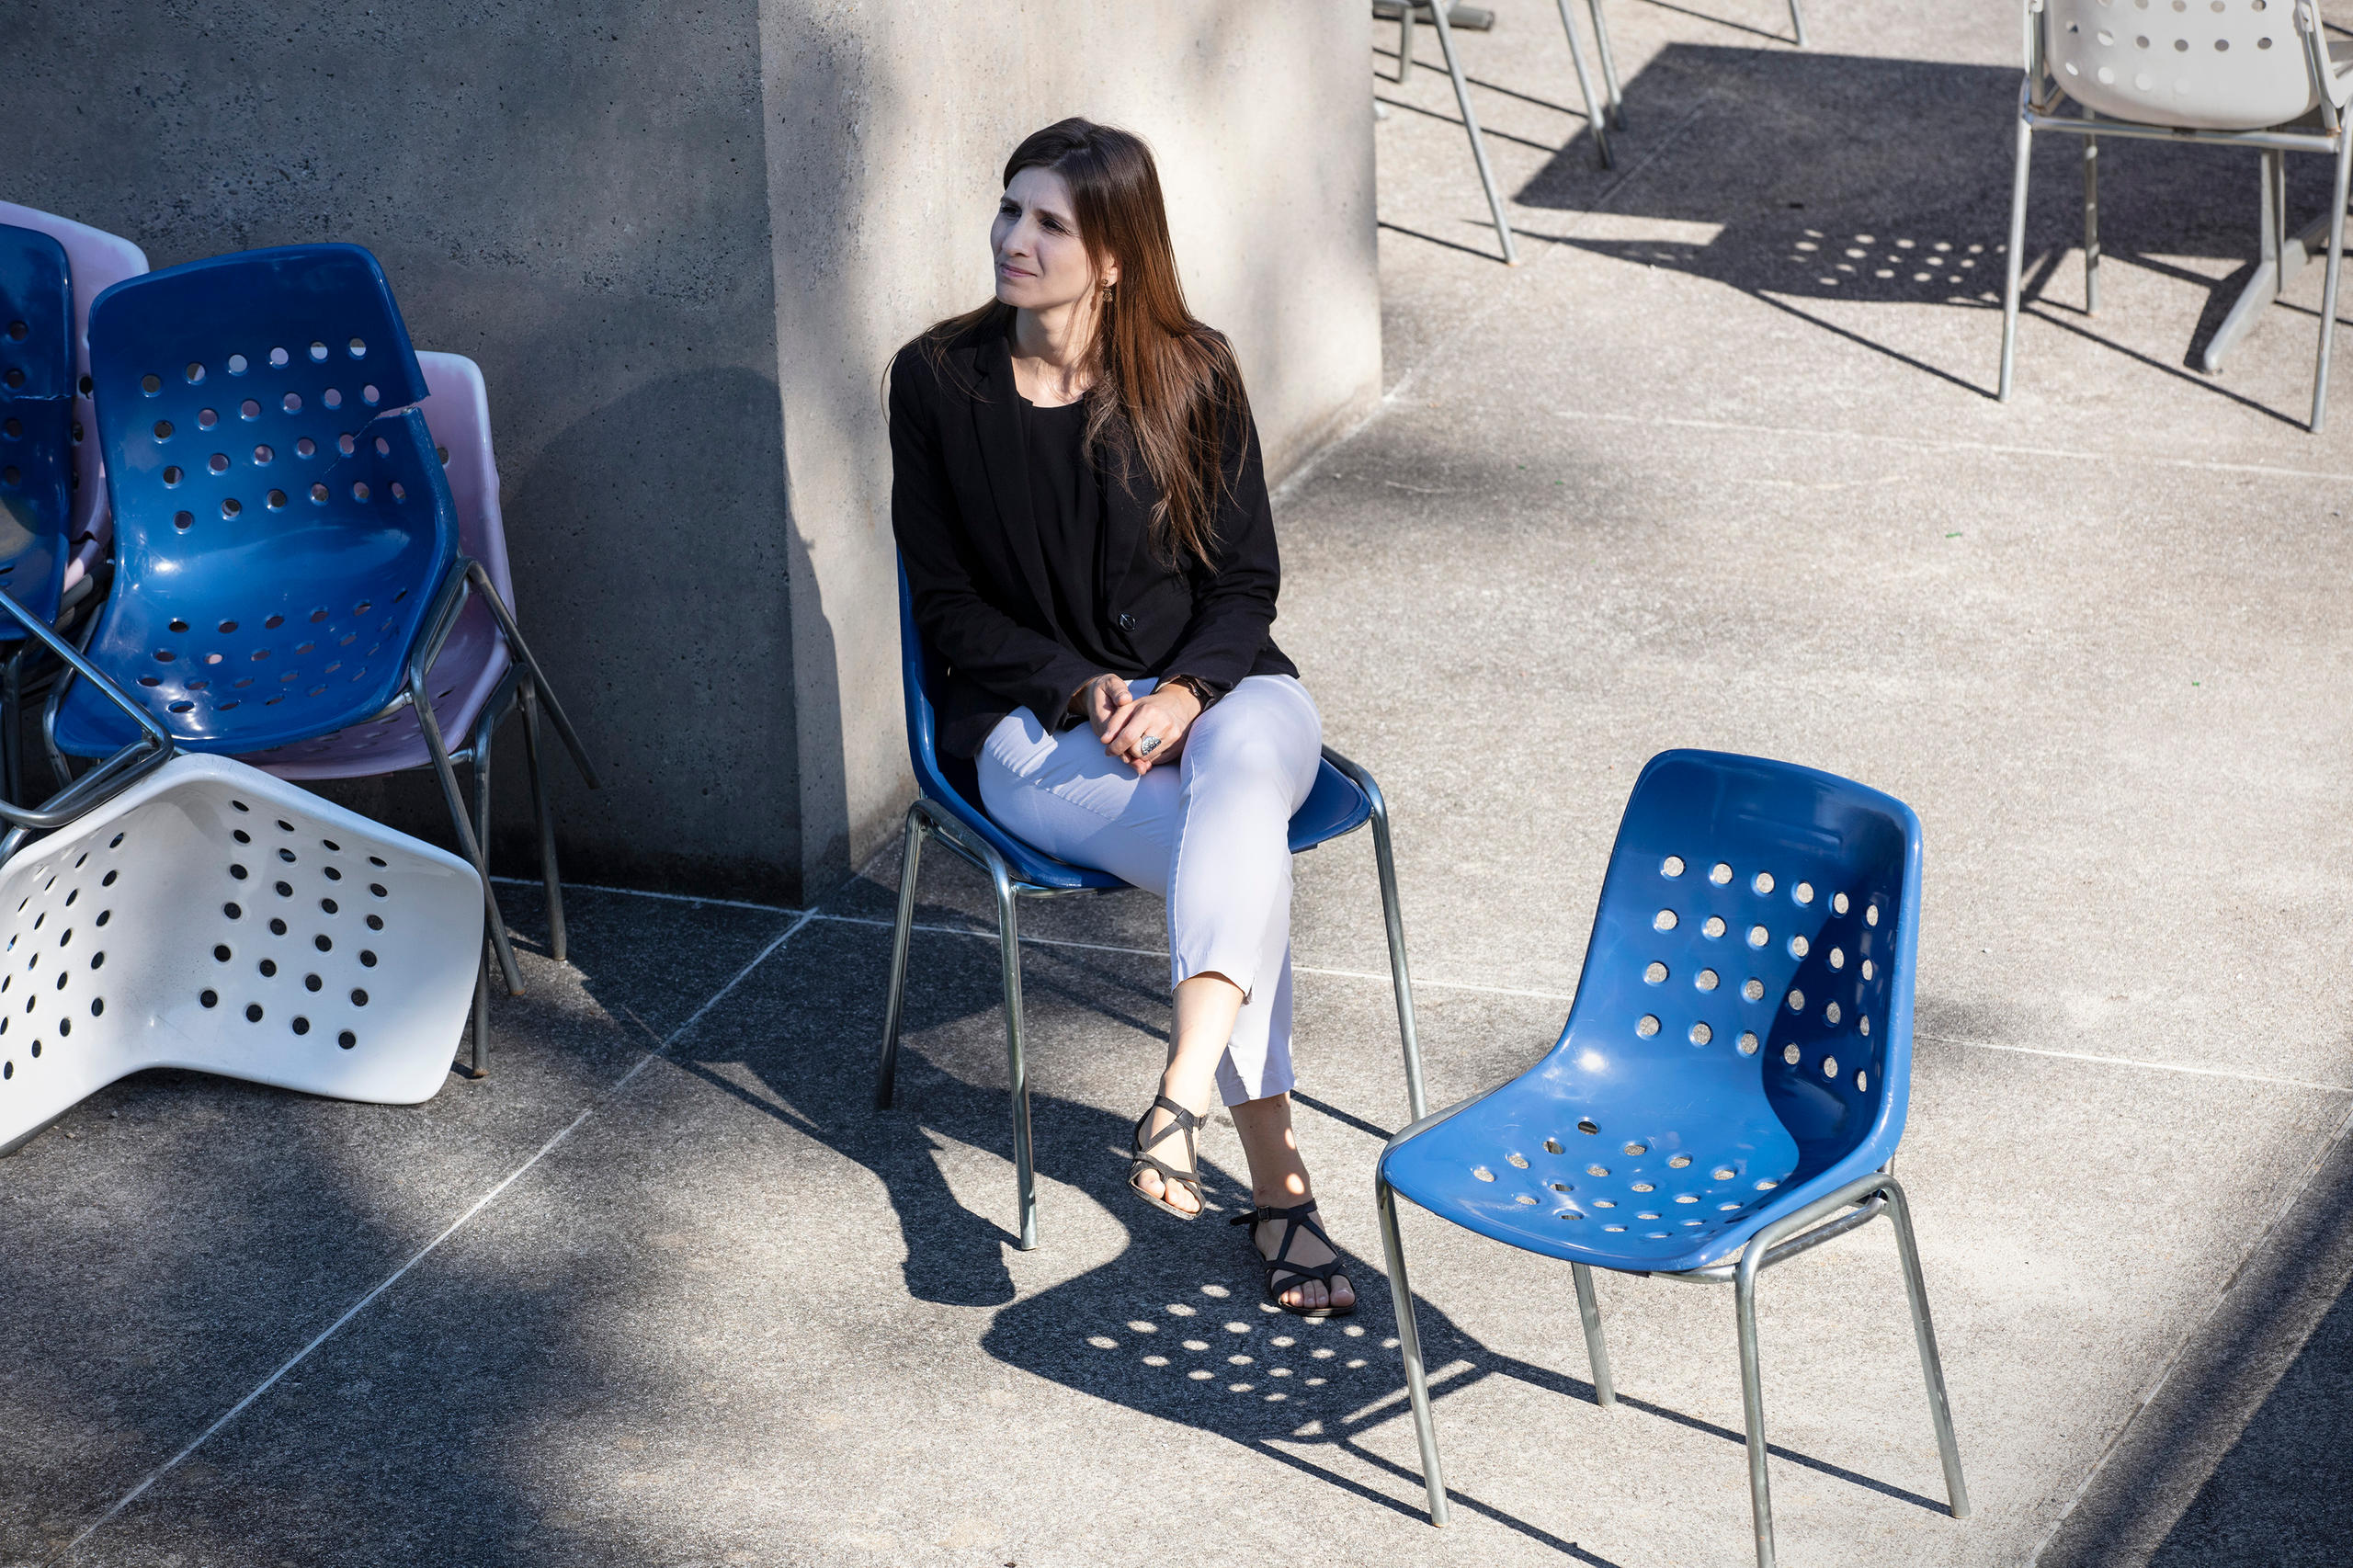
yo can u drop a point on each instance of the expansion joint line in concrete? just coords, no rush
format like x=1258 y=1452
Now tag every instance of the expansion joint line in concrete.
x=1931 y=444
x=2197 y=1331
x=476 y=1207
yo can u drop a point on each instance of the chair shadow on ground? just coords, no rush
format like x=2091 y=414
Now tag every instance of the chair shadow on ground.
x=1830 y=179
x=1173 y=1325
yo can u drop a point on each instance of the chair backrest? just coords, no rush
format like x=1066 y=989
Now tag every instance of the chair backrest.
x=211 y=917
x=458 y=413
x=1755 y=932
x=277 y=542
x=36 y=420
x=475 y=658
x=98 y=261
x=921 y=672
x=2205 y=64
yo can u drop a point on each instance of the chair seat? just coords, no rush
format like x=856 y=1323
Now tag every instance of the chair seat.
x=1517 y=1165
x=462 y=680
x=1740 y=1040
x=1333 y=806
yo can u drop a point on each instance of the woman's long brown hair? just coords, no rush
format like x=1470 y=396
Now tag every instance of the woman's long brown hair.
x=1171 y=380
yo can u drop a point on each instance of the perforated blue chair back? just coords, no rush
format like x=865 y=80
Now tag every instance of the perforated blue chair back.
x=1334 y=805
x=1741 y=1040
x=277 y=543
x=36 y=420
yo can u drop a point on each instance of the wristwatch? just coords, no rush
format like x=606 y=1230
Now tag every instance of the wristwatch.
x=1201 y=690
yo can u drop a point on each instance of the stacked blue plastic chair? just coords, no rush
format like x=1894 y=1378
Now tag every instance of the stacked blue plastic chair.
x=1732 y=1078
x=36 y=446
x=286 y=556
x=1342 y=798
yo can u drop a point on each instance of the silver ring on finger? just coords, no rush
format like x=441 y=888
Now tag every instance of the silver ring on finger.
x=1147 y=745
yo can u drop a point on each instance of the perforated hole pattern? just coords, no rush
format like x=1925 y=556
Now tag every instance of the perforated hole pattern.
x=1810 y=962
x=277 y=926
x=2216 y=62
x=1650 y=1182
x=220 y=437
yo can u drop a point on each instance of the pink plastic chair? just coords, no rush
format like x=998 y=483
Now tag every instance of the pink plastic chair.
x=475 y=682
x=98 y=260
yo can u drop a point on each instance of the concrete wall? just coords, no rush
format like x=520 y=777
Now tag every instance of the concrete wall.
x=683 y=242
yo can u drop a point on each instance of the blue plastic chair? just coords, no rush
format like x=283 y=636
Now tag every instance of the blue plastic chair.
x=1342 y=798
x=1732 y=1078
x=287 y=559
x=36 y=421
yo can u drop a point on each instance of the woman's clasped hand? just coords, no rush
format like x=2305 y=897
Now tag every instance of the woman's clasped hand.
x=1142 y=732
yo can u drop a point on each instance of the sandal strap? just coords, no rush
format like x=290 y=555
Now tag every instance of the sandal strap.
x=1180 y=1121
x=1301 y=1217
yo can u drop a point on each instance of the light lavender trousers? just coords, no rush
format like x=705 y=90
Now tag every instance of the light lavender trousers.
x=1211 y=835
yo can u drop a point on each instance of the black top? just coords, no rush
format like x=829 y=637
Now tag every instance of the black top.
x=1018 y=620
x=1068 y=500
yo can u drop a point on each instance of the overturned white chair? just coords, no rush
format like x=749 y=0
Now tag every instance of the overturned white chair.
x=189 y=911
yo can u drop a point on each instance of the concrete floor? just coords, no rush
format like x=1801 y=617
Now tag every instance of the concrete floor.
x=664 y=1291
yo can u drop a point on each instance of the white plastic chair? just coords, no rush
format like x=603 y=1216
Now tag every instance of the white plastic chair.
x=189 y=911
x=2254 y=73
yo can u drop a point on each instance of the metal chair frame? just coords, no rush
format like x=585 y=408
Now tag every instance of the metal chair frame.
x=1798 y=1231
x=1846 y=855
x=926 y=818
x=1612 y=110
x=2042 y=96
x=526 y=687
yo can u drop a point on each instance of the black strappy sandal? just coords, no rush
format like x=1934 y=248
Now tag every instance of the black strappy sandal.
x=1180 y=1120
x=1301 y=1217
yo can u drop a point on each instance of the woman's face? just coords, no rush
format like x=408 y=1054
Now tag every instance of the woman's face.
x=1041 y=261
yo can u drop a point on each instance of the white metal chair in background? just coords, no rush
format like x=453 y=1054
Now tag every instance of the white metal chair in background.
x=2254 y=73
x=1613 y=109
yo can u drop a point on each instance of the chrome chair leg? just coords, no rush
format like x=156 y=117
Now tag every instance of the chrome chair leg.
x=1605 y=1392
x=1915 y=1289
x=2328 y=290
x=478 y=1063
x=468 y=843
x=2018 y=246
x=1008 y=932
x=557 y=941
x=2091 y=225
x=1471 y=124
x=522 y=654
x=1406 y=43
x=1401 y=979
x=1598 y=119
x=1797 y=22
x=1751 y=1398
x=1608 y=68
x=886 y=1072
x=1409 y=1342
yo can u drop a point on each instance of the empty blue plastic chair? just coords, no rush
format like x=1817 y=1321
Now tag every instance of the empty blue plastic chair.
x=1732 y=1078
x=1342 y=798
x=36 y=421
x=287 y=558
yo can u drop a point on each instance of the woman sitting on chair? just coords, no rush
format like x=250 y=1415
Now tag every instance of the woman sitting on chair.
x=1080 y=503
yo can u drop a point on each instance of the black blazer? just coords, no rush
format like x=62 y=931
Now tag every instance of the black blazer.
x=981 y=582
